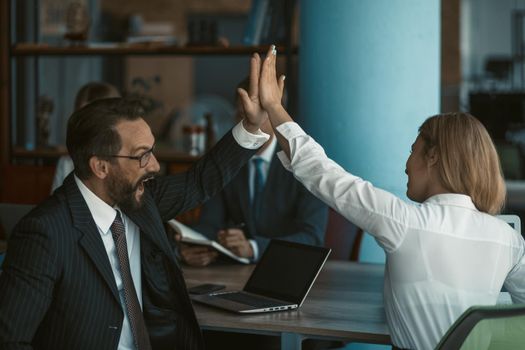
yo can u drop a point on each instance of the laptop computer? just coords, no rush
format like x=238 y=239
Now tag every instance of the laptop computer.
x=280 y=281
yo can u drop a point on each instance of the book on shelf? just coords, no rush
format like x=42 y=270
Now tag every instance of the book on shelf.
x=255 y=23
x=190 y=236
x=267 y=22
x=273 y=29
x=148 y=39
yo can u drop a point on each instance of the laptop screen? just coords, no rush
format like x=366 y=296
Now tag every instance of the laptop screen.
x=286 y=271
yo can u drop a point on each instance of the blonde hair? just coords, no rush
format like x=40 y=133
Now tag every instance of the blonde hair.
x=94 y=91
x=467 y=159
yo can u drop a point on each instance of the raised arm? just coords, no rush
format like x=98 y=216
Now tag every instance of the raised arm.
x=218 y=166
x=359 y=201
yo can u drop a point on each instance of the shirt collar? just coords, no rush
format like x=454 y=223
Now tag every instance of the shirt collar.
x=454 y=199
x=267 y=154
x=102 y=213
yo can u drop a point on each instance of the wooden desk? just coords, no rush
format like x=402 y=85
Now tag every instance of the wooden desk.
x=345 y=303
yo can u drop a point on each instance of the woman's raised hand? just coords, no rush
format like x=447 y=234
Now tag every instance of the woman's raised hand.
x=270 y=88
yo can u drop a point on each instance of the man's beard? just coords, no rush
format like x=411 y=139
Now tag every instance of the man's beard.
x=122 y=192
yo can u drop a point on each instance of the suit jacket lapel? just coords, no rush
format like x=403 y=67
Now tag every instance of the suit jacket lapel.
x=90 y=240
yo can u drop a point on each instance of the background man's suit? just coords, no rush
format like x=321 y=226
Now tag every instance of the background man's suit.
x=288 y=211
x=57 y=290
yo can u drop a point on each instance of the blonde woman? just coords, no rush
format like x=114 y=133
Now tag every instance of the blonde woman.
x=444 y=253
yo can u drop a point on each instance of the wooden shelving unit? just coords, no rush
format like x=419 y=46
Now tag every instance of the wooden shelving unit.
x=28 y=49
x=15 y=160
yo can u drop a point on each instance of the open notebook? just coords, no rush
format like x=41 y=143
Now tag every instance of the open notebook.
x=191 y=236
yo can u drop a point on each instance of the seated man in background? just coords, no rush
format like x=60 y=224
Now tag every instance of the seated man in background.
x=262 y=202
x=88 y=93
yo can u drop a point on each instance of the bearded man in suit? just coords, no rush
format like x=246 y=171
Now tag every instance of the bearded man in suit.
x=92 y=267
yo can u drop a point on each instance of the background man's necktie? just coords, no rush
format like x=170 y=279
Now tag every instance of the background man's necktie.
x=136 y=319
x=258 y=186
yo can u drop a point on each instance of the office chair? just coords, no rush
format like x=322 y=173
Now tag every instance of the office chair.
x=500 y=327
x=510 y=156
x=343 y=237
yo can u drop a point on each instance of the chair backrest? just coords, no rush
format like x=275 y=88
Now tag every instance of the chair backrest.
x=343 y=237
x=511 y=157
x=10 y=214
x=497 y=327
x=512 y=220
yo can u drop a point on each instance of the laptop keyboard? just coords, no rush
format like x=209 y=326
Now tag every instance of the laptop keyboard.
x=251 y=300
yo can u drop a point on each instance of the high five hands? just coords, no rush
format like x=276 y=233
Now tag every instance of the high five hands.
x=265 y=91
x=265 y=95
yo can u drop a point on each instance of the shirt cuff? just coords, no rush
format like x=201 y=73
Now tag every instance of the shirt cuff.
x=255 y=249
x=289 y=131
x=247 y=139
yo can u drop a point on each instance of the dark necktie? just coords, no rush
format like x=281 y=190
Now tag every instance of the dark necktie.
x=136 y=320
x=258 y=186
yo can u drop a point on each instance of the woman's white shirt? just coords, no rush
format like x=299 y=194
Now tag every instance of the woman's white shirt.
x=442 y=256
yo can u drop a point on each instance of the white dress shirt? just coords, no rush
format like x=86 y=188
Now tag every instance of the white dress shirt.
x=249 y=140
x=442 y=256
x=103 y=215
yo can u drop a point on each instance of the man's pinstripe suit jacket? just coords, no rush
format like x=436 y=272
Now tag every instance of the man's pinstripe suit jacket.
x=57 y=289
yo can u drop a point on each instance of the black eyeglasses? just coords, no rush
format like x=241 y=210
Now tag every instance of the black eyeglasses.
x=142 y=158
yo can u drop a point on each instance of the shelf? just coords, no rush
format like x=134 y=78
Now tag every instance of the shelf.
x=29 y=49
x=47 y=153
x=162 y=154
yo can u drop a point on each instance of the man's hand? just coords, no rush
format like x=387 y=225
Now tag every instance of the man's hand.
x=235 y=240
x=195 y=255
x=254 y=115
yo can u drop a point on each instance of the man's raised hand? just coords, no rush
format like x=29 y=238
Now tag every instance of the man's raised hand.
x=254 y=114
